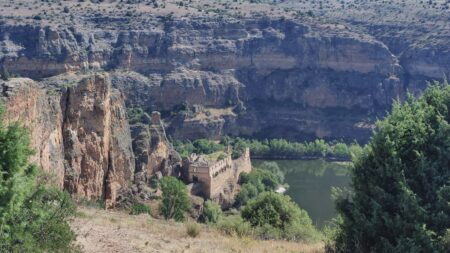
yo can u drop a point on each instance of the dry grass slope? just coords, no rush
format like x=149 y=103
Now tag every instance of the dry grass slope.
x=111 y=231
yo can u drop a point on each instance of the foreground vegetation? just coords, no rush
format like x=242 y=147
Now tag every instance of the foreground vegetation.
x=33 y=213
x=115 y=231
x=401 y=191
x=271 y=149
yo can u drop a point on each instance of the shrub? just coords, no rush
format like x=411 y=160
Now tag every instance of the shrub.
x=175 y=201
x=135 y=115
x=401 y=192
x=211 y=212
x=4 y=74
x=258 y=181
x=277 y=215
x=47 y=211
x=234 y=225
x=140 y=208
x=192 y=229
x=248 y=191
x=204 y=146
x=264 y=178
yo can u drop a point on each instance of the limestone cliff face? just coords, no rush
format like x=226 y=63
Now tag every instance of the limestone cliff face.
x=278 y=77
x=96 y=140
x=154 y=153
x=80 y=133
x=41 y=113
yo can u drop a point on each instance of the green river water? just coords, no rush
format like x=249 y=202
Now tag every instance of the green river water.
x=310 y=183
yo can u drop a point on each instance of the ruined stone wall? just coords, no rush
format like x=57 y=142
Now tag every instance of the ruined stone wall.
x=222 y=174
x=219 y=181
x=203 y=175
x=243 y=164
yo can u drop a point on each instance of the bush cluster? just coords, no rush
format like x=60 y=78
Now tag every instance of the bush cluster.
x=234 y=225
x=266 y=178
x=192 y=229
x=276 y=216
x=140 y=208
x=212 y=212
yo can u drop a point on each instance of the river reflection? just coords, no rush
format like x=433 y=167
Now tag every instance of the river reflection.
x=310 y=183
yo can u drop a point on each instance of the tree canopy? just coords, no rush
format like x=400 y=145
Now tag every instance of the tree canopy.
x=277 y=216
x=175 y=201
x=401 y=181
x=33 y=215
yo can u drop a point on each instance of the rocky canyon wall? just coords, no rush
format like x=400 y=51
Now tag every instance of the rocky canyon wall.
x=261 y=77
x=79 y=129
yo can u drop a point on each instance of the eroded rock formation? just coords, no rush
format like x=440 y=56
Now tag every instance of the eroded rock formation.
x=41 y=113
x=79 y=128
x=154 y=152
x=255 y=77
x=97 y=140
x=243 y=74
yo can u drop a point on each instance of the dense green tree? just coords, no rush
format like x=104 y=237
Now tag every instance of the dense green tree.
x=267 y=178
x=175 y=201
x=204 y=146
x=247 y=192
x=401 y=181
x=278 y=214
x=33 y=215
x=211 y=212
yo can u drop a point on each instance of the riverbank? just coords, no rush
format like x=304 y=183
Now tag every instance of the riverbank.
x=104 y=231
x=274 y=149
x=301 y=158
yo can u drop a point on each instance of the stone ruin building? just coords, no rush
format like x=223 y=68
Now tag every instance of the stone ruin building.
x=216 y=180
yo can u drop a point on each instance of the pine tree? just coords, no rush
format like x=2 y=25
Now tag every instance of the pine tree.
x=401 y=181
x=33 y=216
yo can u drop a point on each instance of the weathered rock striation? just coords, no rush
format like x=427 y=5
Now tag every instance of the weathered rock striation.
x=97 y=140
x=267 y=69
x=267 y=77
x=41 y=113
x=79 y=128
x=293 y=69
x=154 y=152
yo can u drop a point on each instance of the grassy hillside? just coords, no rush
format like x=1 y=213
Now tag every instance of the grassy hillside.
x=113 y=231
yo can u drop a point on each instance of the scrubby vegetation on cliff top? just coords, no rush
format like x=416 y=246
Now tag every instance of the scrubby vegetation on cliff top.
x=401 y=191
x=320 y=11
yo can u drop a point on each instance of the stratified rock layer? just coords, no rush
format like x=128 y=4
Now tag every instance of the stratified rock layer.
x=81 y=133
x=209 y=77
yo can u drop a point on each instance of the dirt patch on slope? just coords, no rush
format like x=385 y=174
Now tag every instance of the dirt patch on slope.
x=113 y=232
